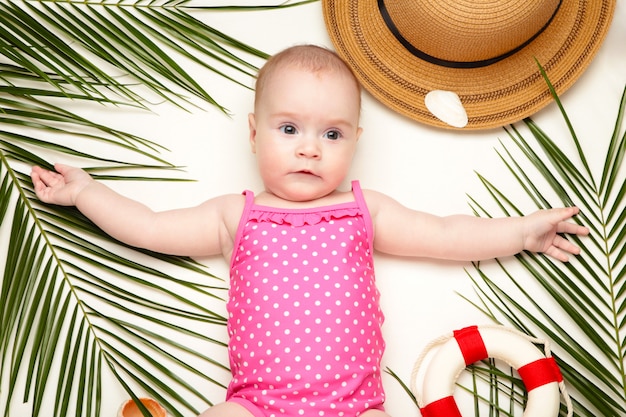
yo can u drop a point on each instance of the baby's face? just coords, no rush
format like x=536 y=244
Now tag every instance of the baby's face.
x=304 y=132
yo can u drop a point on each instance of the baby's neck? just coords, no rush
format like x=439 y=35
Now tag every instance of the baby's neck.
x=266 y=198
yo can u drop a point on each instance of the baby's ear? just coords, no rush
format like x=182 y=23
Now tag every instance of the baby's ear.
x=252 y=127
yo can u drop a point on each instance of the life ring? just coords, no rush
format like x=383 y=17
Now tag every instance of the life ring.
x=539 y=372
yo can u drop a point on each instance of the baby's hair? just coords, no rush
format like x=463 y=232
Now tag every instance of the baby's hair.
x=312 y=58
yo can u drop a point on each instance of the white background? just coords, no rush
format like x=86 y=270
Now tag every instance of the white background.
x=424 y=168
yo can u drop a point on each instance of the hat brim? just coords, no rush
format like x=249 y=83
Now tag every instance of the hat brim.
x=493 y=96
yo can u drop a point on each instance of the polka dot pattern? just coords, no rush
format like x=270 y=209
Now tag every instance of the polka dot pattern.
x=304 y=317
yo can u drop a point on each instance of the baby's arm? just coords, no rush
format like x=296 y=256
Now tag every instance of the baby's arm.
x=194 y=231
x=402 y=231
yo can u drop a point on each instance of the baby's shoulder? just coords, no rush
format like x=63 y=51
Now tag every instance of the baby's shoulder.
x=374 y=199
x=379 y=203
x=228 y=207
x=226 y=201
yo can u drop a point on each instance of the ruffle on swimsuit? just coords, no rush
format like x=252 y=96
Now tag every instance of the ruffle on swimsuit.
x=300 y=217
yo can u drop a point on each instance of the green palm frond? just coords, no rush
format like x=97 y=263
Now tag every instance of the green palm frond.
x=580 y=306
x=91 y=46
x=583 y=310
x=78 y=308
x=78 y=311
x=74 y=312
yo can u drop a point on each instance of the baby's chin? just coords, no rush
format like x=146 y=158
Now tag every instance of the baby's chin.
x=302 y=197
x=302 y=193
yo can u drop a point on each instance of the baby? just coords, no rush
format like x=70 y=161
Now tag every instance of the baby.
x=304 y=320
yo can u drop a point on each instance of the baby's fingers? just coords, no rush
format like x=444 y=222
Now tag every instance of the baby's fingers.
x=557 y=254
x=44 y=182
x=561 y=248
x=49 y=178
x=565 y=245
x=572 y=229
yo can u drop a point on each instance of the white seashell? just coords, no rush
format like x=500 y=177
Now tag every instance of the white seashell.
x=447 y=107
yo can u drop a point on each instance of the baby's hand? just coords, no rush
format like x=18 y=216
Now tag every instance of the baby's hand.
x=61 y=187
x=542 y=229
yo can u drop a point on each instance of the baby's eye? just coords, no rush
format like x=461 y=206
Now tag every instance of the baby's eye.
x=288 y=129
x=332 y=135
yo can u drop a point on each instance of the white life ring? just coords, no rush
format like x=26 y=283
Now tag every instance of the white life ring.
x=539 y=372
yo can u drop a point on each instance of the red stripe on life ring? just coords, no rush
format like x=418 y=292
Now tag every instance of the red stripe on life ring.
x=540 y=372
x=444 y=407
x=471 y=344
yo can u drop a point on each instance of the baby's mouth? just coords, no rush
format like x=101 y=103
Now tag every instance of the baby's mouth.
x=306 y=172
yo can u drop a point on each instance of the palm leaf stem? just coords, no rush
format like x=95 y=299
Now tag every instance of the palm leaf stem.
x=187 y=4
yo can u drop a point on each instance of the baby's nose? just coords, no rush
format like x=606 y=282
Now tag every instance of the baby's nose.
x=309 y=148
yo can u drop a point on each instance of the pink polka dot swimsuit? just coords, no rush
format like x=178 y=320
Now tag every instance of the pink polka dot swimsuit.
x=304 y=316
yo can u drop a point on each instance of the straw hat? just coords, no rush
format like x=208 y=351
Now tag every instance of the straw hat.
x=481 y=50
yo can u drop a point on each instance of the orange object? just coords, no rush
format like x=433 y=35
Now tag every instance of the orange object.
x=130 y=408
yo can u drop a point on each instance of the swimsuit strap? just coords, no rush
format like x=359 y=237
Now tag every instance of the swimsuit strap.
x=360 y=200
x=242 y=222
x=249 y=200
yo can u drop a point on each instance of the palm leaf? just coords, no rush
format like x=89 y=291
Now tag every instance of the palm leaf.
x=582 y=311
x=68 y=301
x=78 y=310
x=73 y=41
